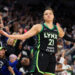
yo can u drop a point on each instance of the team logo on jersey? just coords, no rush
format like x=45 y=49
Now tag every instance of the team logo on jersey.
x=50 y=35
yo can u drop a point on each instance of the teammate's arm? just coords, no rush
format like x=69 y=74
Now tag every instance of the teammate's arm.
x=33 y=31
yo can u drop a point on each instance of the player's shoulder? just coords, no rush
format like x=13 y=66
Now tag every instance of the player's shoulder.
x=38 y=27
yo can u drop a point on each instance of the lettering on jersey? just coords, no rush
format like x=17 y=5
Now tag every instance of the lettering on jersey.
x=50 y=49
x=51 y=42
x=50 y=35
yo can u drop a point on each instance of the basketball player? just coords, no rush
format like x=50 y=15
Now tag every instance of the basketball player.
x=47 y=43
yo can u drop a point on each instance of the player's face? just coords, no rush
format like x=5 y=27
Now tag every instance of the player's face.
x=48 y=15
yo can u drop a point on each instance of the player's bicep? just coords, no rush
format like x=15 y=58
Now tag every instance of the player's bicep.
x=33 y=31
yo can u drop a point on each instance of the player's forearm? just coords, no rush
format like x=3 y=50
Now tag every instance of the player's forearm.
x=33 y=31
x=4 y=33
x=20 y=37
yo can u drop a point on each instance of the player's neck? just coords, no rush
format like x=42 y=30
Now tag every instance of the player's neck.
x=50 y=24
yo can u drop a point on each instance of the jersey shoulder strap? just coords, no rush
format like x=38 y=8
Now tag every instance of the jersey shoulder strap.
x=42 y=24
x=56 y=29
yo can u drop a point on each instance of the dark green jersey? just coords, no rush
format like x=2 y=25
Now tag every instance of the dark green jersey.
x=47 y=39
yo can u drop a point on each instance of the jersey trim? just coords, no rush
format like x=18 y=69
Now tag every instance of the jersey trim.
x=49 y=73
x=57 y=29
x=37 y=63
x=42 y=28
x=48 y=27
x=34 y=62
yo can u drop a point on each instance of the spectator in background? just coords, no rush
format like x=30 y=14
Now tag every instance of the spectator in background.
x=3 y=38
x=13 y=61
x=67 y=44
x=26 y=29
x=65 y=66
x=25 y=60
x=18 y=47
x=10 y=47
x=16 y=26
x=60 y=44
x=58 y=69
x=20 y=30
x=7 y=29
x=73 y=66
x=4 y=65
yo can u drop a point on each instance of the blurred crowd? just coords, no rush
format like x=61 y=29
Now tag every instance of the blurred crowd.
x=18 y=19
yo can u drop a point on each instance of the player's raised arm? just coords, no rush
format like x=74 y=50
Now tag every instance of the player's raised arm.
x=60 y=30
x=33 y=31
x=62 y=34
